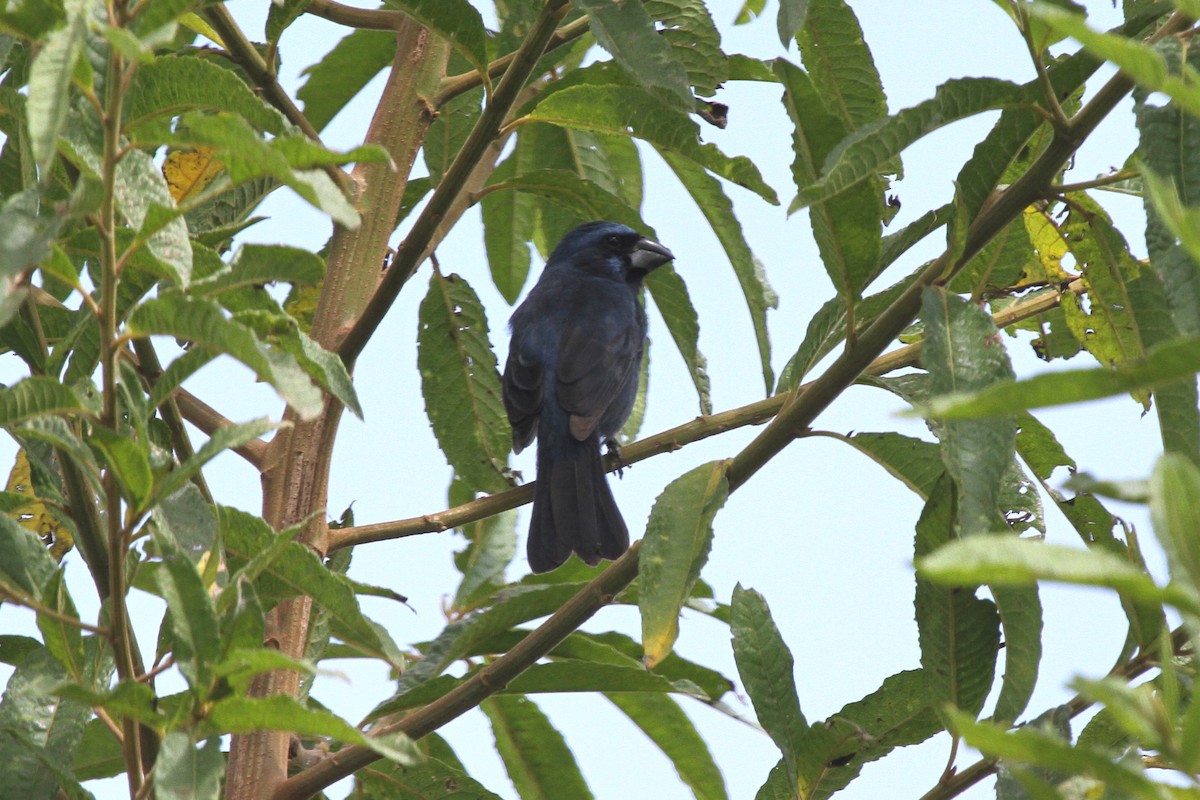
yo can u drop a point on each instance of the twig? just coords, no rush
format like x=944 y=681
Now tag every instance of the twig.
x=454 y=85
x=1105 y=180
x=370 y=19
x=11 y=594
x=209 y=420
x=665 y=442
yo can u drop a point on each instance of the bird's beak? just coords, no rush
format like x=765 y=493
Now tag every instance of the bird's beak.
x=648 y=254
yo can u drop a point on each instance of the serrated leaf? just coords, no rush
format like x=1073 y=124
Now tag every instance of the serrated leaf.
x=491 y=545
x=718 y=210
x=145 y=201
x=343 y=72
x=171 y=85
x=129 y=461
x=537 y=759
x=627 y=31
x=580 y=676
x=916 y=463
x=202 y=323
x=461 y=383
x=1163 y=364
x=694 y=40
x=626 y=111
x=765 y=664
x=50 y=81
x=34 y=397
x=836 y=55
x=1175 y=512
x=1009 y=561
x=863 y=153
x=257 y=264
x=959 y=633
x=961 y=352
x=292 y=570
x=670 y=295
x=196 y=635
x=674 y=549
x=1171 y=236
x=27 y=232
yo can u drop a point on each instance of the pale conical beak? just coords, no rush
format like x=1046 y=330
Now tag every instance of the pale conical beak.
x=648 y=254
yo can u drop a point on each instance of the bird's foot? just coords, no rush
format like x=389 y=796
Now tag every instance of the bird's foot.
x=613 y=450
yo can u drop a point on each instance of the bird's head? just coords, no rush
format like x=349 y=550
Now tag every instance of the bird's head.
x=610 y=249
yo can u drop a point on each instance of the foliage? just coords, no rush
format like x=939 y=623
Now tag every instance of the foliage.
x=140 y=139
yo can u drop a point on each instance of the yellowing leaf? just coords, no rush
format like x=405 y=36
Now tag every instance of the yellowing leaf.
x=34 y=515
x=1049 y=246
x=189 y=171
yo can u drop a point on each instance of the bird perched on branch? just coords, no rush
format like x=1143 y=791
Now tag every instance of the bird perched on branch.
x=571 y=380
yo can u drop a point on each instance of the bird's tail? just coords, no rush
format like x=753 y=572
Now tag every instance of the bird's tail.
x=573 y=509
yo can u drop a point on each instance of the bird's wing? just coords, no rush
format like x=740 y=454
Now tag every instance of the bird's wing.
x=593 y=369
x=522 y=387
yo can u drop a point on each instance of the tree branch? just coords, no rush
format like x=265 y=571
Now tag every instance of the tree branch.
x=209 y=420
x=410 y=253
x=471 y=692
x=667 y=441
x=373 y=19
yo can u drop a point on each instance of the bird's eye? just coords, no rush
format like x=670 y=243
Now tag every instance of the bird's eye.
x=612 y=240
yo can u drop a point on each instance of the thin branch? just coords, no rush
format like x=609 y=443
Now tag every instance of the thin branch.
x=667 y=441
x=243 y=52
x=454 y=85
x=367 y=19
x=209 y=420
x=1105 y=180
x=409 y=254
x=1057 y=117
x=471 y=692
x=12 y=594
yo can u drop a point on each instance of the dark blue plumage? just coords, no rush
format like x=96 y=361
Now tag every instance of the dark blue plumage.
x=571 y=380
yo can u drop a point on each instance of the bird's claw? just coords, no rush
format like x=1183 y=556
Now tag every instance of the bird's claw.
x=613 y=450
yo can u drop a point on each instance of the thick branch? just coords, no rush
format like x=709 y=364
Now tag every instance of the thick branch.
x=377 y=19
x=487 y=681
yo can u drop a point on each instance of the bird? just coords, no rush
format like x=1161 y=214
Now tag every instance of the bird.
x=570 y=381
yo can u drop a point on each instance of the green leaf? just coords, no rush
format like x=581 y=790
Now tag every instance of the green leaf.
x=258 y=264
x=1163 y=364
x=1020 y=609
x=491 y=545
x=626 y=111
x=865 y=152
x=35 y=397
x=281 y=713
x=675 y=548
x=1175 y=512
x=202 y=323
x=914 y=462
x=694 y=40
x=1040 y=748
x=171 y=85
x=509 y=218
x=789 y=20
x=537 y=759
x=836 y=55
x=196 y=635
x=959 y=633
x=455 y=20
x=183 y=772
x=765 y=664
x=343 y=72
x=439 y=773
x=129 y=461
x=50 y=83
x=718 y=210
x=847 y=229
x=628 y=32
x=663 y=721
x=177 y=372
x=25 y=564
x=461 y=384
x=63 y=639
x=670 y=295
x=1009 y=561
x=99 y=753
x=145 y=201
x=280 y=17
x=581 y=676
x=290 y=569
x=226 y=437
x=962 y=353
x=1170 y=232
x=41 y=730
x=27 y=232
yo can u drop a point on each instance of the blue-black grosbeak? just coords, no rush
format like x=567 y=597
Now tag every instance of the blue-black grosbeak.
x=571 y=380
